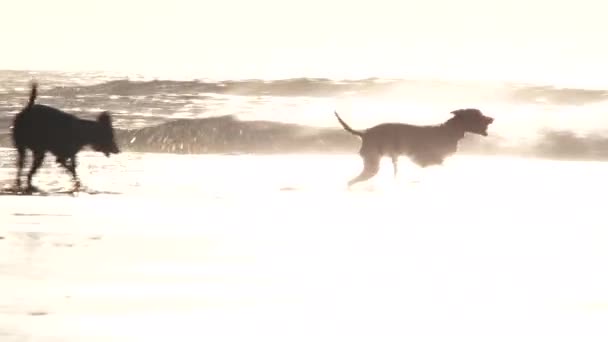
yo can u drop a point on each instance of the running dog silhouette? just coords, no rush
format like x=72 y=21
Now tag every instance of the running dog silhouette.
x=424 y=145
x=42 y=129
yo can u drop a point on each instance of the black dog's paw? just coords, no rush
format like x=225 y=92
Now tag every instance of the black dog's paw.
x=31 y=190
x=78 y=187
x=11 y=189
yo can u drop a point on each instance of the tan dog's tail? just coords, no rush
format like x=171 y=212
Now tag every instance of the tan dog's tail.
x=347 y=127
x=33 y=94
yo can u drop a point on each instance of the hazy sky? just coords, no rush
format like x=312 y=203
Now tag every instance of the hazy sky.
x=525 y=39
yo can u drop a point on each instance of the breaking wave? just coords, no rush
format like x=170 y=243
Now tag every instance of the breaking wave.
x=226 y=134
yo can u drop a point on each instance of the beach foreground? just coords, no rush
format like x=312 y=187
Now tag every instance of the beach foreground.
x=274 y=248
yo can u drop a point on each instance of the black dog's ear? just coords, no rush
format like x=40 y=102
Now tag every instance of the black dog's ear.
x=105 y=119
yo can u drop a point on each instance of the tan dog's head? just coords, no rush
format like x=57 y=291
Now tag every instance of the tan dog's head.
x=472 y=120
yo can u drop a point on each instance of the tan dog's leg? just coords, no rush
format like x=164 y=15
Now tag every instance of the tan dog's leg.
x=395 y=160
x=371 y=165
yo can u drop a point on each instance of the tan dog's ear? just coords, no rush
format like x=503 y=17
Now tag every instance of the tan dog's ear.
x=458 y=112
x=466 y=111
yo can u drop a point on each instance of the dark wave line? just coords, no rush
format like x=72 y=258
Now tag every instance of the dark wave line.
x=227 y=135
x=322 y=87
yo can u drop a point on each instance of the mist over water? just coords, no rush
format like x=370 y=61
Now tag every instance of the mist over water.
x=295 y=115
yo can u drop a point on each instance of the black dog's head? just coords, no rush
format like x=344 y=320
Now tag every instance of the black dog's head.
x=471 y=120
x=104 y=139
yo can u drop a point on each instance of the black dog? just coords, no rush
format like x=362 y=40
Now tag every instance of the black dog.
x=425 y=145
x=42 y=128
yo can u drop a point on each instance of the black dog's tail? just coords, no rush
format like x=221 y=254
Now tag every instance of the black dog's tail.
x=21 y=117
x=347 y=127
x=33 y=95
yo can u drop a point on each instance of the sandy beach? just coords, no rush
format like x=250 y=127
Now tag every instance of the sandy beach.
x=234 y=248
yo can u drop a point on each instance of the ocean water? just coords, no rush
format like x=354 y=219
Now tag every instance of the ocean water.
x=296 y=115
x=249 y=233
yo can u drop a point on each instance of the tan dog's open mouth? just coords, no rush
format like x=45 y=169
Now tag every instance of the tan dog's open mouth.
x=488 y=122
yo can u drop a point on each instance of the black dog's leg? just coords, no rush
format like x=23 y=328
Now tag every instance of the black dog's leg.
x=71 y=167
x=371 y=165
x=20 y=163
x=38 y=159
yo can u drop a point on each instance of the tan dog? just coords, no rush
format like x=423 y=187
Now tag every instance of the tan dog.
x=425 y=145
